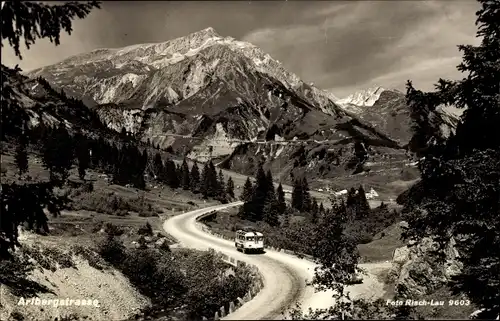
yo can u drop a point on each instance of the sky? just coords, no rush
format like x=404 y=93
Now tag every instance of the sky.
x=340 y=46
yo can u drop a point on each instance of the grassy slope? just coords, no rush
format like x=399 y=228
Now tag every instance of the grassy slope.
x=82 y=228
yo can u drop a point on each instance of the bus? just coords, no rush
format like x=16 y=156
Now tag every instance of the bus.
x=249 y=241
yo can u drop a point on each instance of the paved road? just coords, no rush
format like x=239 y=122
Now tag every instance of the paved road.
x=284 y=283
x=285 y=276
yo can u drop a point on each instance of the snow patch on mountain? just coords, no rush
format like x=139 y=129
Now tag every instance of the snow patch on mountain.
x=362 y=98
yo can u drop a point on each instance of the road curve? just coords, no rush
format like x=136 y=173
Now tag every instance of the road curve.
x=284 y=283
x=285 y=276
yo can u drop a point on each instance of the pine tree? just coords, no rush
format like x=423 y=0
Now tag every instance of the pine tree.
x=205 y=181
x=195 y=178
x=144 y=159
x=286 y=219
x=297 y=195
x=460 y=176
x=58 y=153
x=171 y=174
x=321 y=210
x=158 y=170
x=362 y=206
x=336 y=253
x=352 y=203
x=230 y=187
x=246 y=195
x=185 y=181
x=221 y=184
x=213 y=181
x=271 y=213
x=82 y=154
x=259 y=196
x=306 y=196
x=280 y=194
x=314 y=211
x=21 y=156
x=138 y=167
x=271 y=193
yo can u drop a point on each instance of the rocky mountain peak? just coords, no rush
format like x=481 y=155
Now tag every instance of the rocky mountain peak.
x=210 y=32
x=363 y=98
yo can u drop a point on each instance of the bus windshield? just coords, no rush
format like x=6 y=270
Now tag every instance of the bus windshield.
x=249 y=238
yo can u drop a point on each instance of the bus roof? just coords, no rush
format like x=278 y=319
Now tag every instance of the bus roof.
x=249 y=233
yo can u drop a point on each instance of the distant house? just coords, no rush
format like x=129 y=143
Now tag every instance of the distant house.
x=340 y=193
x=371 y=194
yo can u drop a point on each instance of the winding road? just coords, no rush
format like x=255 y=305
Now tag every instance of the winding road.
x=285 y=276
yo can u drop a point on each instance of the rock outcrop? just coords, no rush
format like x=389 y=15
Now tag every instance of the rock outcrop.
x=420 y=271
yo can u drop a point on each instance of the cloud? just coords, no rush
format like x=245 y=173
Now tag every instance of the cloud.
x=351 y=46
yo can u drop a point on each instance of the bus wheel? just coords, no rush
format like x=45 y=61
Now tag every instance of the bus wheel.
x=245 y=250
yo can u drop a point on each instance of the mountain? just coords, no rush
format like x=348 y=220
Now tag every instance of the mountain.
x=362 y=98
x=40 y=102
x=387 y=111
x=206 y=94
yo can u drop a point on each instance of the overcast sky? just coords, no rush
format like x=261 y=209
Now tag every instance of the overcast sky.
x=341 y=46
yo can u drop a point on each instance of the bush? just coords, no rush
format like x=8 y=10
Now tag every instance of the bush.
x=108 y=203
x=112 y=250
x=62 y=258
x=145 y=230
x=155 y=276
x=113 y=230
x=94 y=259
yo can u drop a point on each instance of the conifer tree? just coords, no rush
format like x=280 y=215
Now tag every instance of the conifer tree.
x=352 y=203
x=158 y=171
x=286 y=219
x=271 y=213
x=246 y=195
x=280 y=198
x=306 y=195
x=213 y=181
x=230 y=187
x=460 y=176
x=138 y=167
x=221 y=184
x=171 y=174
x=314 y=211
x=321 y=210
x=297 y=195
x=144 y=159
x=205 y=181
x=58 y=153
x=259 y=196
x=195 y=178
x=185 y=179
x=271 y=195
x=336 y=253
x=21 y=156
x=82 y=154
x=362 y=206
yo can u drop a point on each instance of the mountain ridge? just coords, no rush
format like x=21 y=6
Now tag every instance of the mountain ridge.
x=204 y=95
